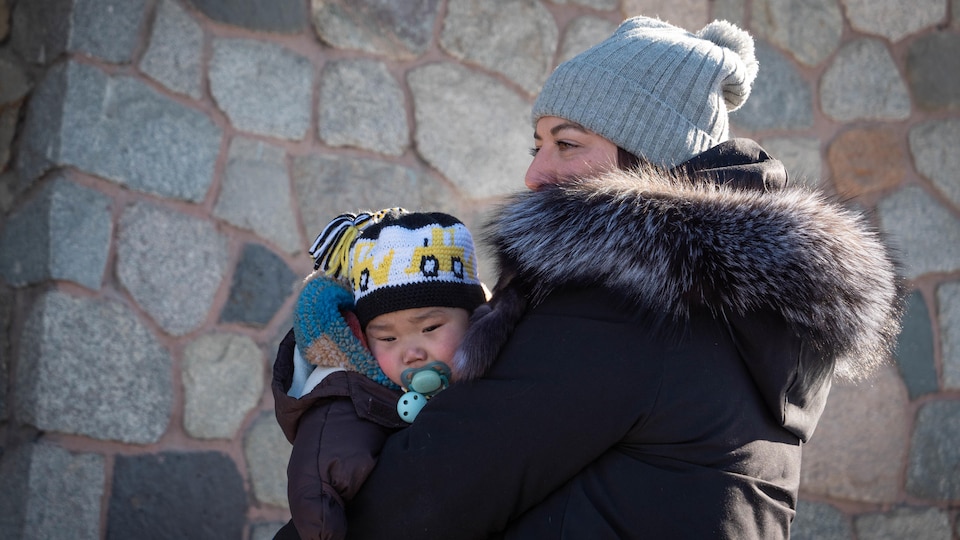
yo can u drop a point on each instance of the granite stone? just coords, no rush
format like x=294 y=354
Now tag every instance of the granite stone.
x=16 y=83
x=9 y=114
x=730 y=10
x=262 y=87
x=921 y=231
x=689 y=14
x=595 y=4
x=934 y=147
x=396 y=30
x=261 y=284
x=863 y=83
x=171 y=263
x=485 y=153
x=809 y=30
x=934 y=462
x=583 y=33
x=780 y=99
x=801 y=157
x=174 y=55
x=516 y=38
x=948 y=302
x=362 y=105
x=267 y=453
x=90 y=367
x=63 y=233
x=864 y=160
x=40 y=29
x=106 y=29
x=933 y=70
x=7 y=309
x=4 y=20
x=255 y=194
x=914 y=353
x=281 y=16
x=197 y=495
x=223 y=379
x=904 y=522
x=889 y=19
x=819 y=521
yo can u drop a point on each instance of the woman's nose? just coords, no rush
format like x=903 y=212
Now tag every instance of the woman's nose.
x=538 y=172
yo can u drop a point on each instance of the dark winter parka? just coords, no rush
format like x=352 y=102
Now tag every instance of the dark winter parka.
x=663 y=349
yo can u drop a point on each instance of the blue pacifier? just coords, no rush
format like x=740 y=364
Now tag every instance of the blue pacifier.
x=423 y=383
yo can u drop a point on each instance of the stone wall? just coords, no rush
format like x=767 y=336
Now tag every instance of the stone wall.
x=164 y=163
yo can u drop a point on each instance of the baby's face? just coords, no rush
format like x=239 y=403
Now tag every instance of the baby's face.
x=411 y=338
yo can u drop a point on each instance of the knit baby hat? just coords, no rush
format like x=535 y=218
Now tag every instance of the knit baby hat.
x=655 y=90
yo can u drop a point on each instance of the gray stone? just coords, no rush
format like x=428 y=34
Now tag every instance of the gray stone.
x=730 y=10
x=810 y=30
x=265 y=531
x=50 y=493
x=868 y=418
x=904 y=522
x=197 y=495
x=63 y=233
x=282 y=16
x=948 y=300
x=922 y=232
x=171 y=263
x=863 y=83
x=121 y=129
x=933 y=471
x=818 y=521
x=397 y=30
x=484 y=153
x=40 y=29
x=914 y=352
x=4 y=20
x=106 y=29
x=517 y=38
x=255 y=194
x=688 y=14
x=8 y=129
x=175 y=52
x=889 y=19
x=933 y=70
x=89 y=367
x=934 y=148
x=583 y=33
x=15 y=82
x=595 y=4
x=223 y=378
x=261 y=284
x=801 y=157
x=362 y=105
x=7 y=309
x=780 y=99
x=267 y=452
x=262 y=87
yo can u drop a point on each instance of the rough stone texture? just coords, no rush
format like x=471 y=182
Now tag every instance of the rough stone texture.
x=362 y=105
x=283 y=16
x=583 y=33
x=265 y=531
x=267 y=452
x=223 y=380
x=730 y=10
x=890 y=19
x=935 y=86
x=934 y=148
x=914 y=352
x=816 y=521
x=50 y=493
x=107 y=29
x=171 y=263
x=948 y=302
x=63 y=233
x=40 y=29
x=922 y=232
x=397 y=30
x=4 y=20
x=89 y=367
x=121 y=129
x=195 y=495
x=595 y=4
x=780 y=99
x=175 y=52
x=8 y=127
x=262 y=87
x=866 y=419
x=7 y=308
x=12 y=92
x=689 y=14
x=863 y=83
x=801 y=157
x=483 y=153
x=255 y=194
x=517 y=38
x=261 y=283
x=810 y=30
x=933 y=471
x=901 y=523
x=867 y=159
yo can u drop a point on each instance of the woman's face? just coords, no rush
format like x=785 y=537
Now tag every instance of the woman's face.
x=563 y=149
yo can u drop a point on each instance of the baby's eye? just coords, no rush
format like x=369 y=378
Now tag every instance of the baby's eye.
x=386 y=338
x=431 y=328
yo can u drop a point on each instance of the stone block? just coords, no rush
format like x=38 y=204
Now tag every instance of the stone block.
x=934 y=147
x=176 y=48
x=7 y=309
x=396 y=30
x=904 y=522
x=691 y=15
x=63 y=233
x=780 y=99
x=935 y=88
x=935 y=453
x=889 y=19
x=267 y=452
x=89 y=367
x=730 y=10
x=583 y=33
x=921 y=231
x=801 y=157
x=281 y=16
x=818 y=521
x=863 y=83
x=197 y=495
x=262 y=282
x=4 y=20
x=49 y=492
x=40 y=29
x=118 y=128
x=262 y=87
x=864 y=160
x=948 y=302
x=362 y=105
x=15 y=85
x=223 y=379
x=171 y=263
x=810 y=30
x=914 y=352
x=595 y=4
x=265 y=531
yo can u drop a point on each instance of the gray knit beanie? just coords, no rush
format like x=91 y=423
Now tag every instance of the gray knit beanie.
x=655 y=90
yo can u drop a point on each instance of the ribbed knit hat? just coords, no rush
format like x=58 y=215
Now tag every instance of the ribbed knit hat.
x=655 y=90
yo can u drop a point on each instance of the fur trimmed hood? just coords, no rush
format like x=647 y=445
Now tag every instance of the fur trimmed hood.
x=672 y=244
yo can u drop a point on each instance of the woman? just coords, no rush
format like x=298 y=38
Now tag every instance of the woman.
x=659 y=345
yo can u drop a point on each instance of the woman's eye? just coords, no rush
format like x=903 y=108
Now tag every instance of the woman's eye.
x=564 y=145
